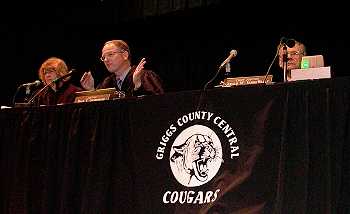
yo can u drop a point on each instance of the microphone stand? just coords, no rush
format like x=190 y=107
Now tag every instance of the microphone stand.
x=39 y=92
x=285 y=62
x=233 y=53
x=285 y=42
x=227 y=70
x=206 y=86
x=15 y=95
x=212 y=79
x=274 y=59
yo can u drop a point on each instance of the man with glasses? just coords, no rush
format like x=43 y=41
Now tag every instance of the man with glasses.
x=294 y=57
x=132 y=80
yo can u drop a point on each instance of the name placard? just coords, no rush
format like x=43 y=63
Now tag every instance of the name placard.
x=228 y=82
x=98 y=95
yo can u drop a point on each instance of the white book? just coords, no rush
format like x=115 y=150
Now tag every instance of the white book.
x=310 y=73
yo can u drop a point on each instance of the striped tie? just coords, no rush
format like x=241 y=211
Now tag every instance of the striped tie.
x=119 y=84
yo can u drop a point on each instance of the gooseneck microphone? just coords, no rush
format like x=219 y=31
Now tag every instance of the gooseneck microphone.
x=70 y=73
x=233 y=53
x=288 y=42
x=284 y=42
x=35 y=83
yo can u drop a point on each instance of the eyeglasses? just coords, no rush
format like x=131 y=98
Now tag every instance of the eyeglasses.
x=110 y=55
x=48 y=71
x=295 y=53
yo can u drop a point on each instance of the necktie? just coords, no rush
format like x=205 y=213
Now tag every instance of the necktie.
x=119 y=83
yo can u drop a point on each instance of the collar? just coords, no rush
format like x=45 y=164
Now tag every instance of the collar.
x=123 y=74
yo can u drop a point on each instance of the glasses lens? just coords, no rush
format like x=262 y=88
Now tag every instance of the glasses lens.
x=295 y=53
x=109 y=55
x=48 y=70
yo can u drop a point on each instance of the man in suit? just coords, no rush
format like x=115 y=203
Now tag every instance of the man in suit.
x=132 y=80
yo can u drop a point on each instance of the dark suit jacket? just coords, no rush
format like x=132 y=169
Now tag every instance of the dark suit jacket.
x=150 y=83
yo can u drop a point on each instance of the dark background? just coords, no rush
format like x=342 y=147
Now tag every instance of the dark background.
x=184 y=41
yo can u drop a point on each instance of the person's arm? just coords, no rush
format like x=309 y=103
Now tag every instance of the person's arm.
x=87 y=81
x=151 y=84
x=146 y=82
x=138 y=74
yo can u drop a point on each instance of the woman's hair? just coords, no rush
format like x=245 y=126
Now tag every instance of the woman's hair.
x=55 y=64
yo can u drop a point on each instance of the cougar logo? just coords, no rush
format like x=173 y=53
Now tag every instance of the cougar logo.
x=197 y=158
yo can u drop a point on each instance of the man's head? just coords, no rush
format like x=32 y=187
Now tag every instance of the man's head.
x=294 y=57
x=116 y=56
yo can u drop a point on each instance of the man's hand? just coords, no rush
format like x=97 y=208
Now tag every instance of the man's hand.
x=138 y=74
x=87 y=81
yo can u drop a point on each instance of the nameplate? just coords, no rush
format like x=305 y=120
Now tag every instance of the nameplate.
x=98 y=95
x=91 y=98
x=250 y=80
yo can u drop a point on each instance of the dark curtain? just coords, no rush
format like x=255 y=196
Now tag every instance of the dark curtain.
x=53 y=163
x=100 y=157
x=314 y=161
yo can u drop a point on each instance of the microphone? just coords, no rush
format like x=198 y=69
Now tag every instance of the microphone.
x=233 y=53
x=27 y=86
x=70 y=73
x=289 y=42
x=35 y=83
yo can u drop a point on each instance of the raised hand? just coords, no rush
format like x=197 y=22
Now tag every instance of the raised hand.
x=87 y=81
x=138 y=73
